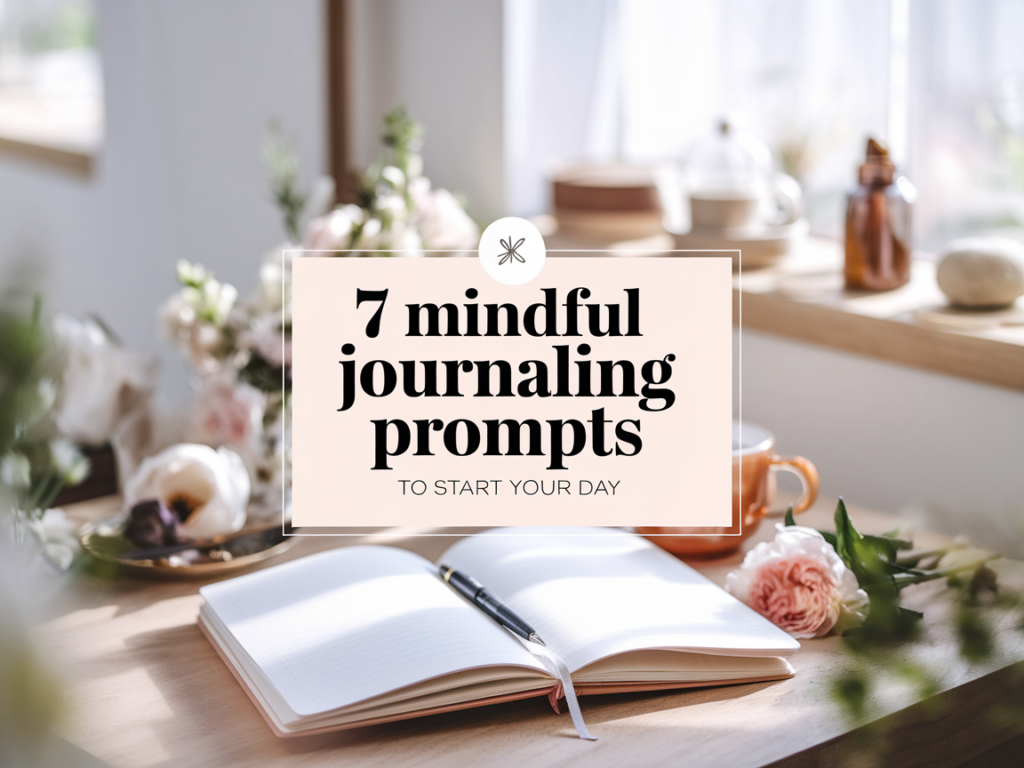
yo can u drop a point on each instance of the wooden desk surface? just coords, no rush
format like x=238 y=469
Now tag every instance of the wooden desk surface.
x=148 y=690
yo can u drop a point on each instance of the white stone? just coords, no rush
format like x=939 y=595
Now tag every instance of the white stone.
x=982 y=272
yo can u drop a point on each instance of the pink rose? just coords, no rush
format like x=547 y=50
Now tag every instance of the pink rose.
x=276 y=353
x=799 y=583
x=227 y=421
x=226 y=415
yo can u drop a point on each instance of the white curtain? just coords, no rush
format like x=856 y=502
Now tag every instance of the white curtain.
x=560 y=91
x=642 y=79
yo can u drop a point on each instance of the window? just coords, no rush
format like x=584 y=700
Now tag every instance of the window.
x=941 y=81
x=51 y=96
x=966 y=117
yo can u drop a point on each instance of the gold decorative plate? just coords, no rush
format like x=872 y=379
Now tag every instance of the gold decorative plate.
x=198 y=559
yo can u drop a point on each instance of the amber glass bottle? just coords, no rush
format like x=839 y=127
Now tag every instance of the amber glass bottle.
x=878 y=225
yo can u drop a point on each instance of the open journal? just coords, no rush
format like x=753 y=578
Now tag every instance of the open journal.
x=367 y=634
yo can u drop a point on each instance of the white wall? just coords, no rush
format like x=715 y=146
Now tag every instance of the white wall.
x=190 y=87
x=442 y=60
x=895 y=438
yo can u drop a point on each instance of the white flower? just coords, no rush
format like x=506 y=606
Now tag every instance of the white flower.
x=403 y=239
x=57 y=535
x=393 y=176
x=441 y=220
x=191 y=274
x=45 y=396
x=221 y=298
x=68 y=461
x=202 y=300
x=202 y=343
x=15 y=470
x=369 y=236
x=419 y=188
x=177 y=318
x=101 y=381
x=269 y=340
x=205 y=347
x=208 y=488
x=271 y=472
x=276 y=279
x=799 y=583
x=211 y=299
x=391 y=206
x=333 y=232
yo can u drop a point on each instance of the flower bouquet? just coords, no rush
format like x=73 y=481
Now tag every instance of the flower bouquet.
x=240 y=348
x=397 y=210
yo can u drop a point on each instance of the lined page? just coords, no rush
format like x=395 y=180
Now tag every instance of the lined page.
x=343 y=626
x=603 y=591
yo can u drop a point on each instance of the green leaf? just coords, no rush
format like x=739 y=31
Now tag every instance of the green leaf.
x=109 y=547
x=827 y=535
x=851 y=690
x=882 y=591
x=264 y=375
x=887 y=623
x=893 y=534
x=869 y=557
x=847 y=539
x=283 y=175
x=910 y=615
x=974 y=633
x=887 y=545
x=923 y=681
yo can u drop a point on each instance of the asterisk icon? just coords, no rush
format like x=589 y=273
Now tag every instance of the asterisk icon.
x=511 y=251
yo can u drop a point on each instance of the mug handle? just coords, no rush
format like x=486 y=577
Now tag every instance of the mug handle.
x=808 y=475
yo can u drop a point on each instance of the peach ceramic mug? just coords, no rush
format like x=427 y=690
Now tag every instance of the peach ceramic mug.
x=753 y=459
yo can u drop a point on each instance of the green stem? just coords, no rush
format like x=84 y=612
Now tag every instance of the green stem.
x=911 y=558
x=55 y=486
x=28 y=503
x=46 y=489
x=905 y=581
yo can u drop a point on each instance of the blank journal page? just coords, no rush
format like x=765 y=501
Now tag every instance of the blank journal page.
x=594 y=592
x=339 y=627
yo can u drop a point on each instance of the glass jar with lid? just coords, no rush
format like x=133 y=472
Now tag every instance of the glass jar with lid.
x=730 y=184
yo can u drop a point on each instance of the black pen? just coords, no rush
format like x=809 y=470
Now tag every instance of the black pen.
x=474 y=591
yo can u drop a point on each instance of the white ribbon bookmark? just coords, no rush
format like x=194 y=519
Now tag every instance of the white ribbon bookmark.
x=561 y=671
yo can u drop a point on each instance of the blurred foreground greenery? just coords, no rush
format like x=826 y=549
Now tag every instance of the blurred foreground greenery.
x=881 y=650
x=30 y=693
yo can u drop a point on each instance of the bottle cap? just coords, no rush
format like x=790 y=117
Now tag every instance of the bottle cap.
x=878 y=167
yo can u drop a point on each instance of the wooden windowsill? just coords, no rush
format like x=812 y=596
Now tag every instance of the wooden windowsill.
x=74 y=161
x=803 y=298
x=66 y=139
